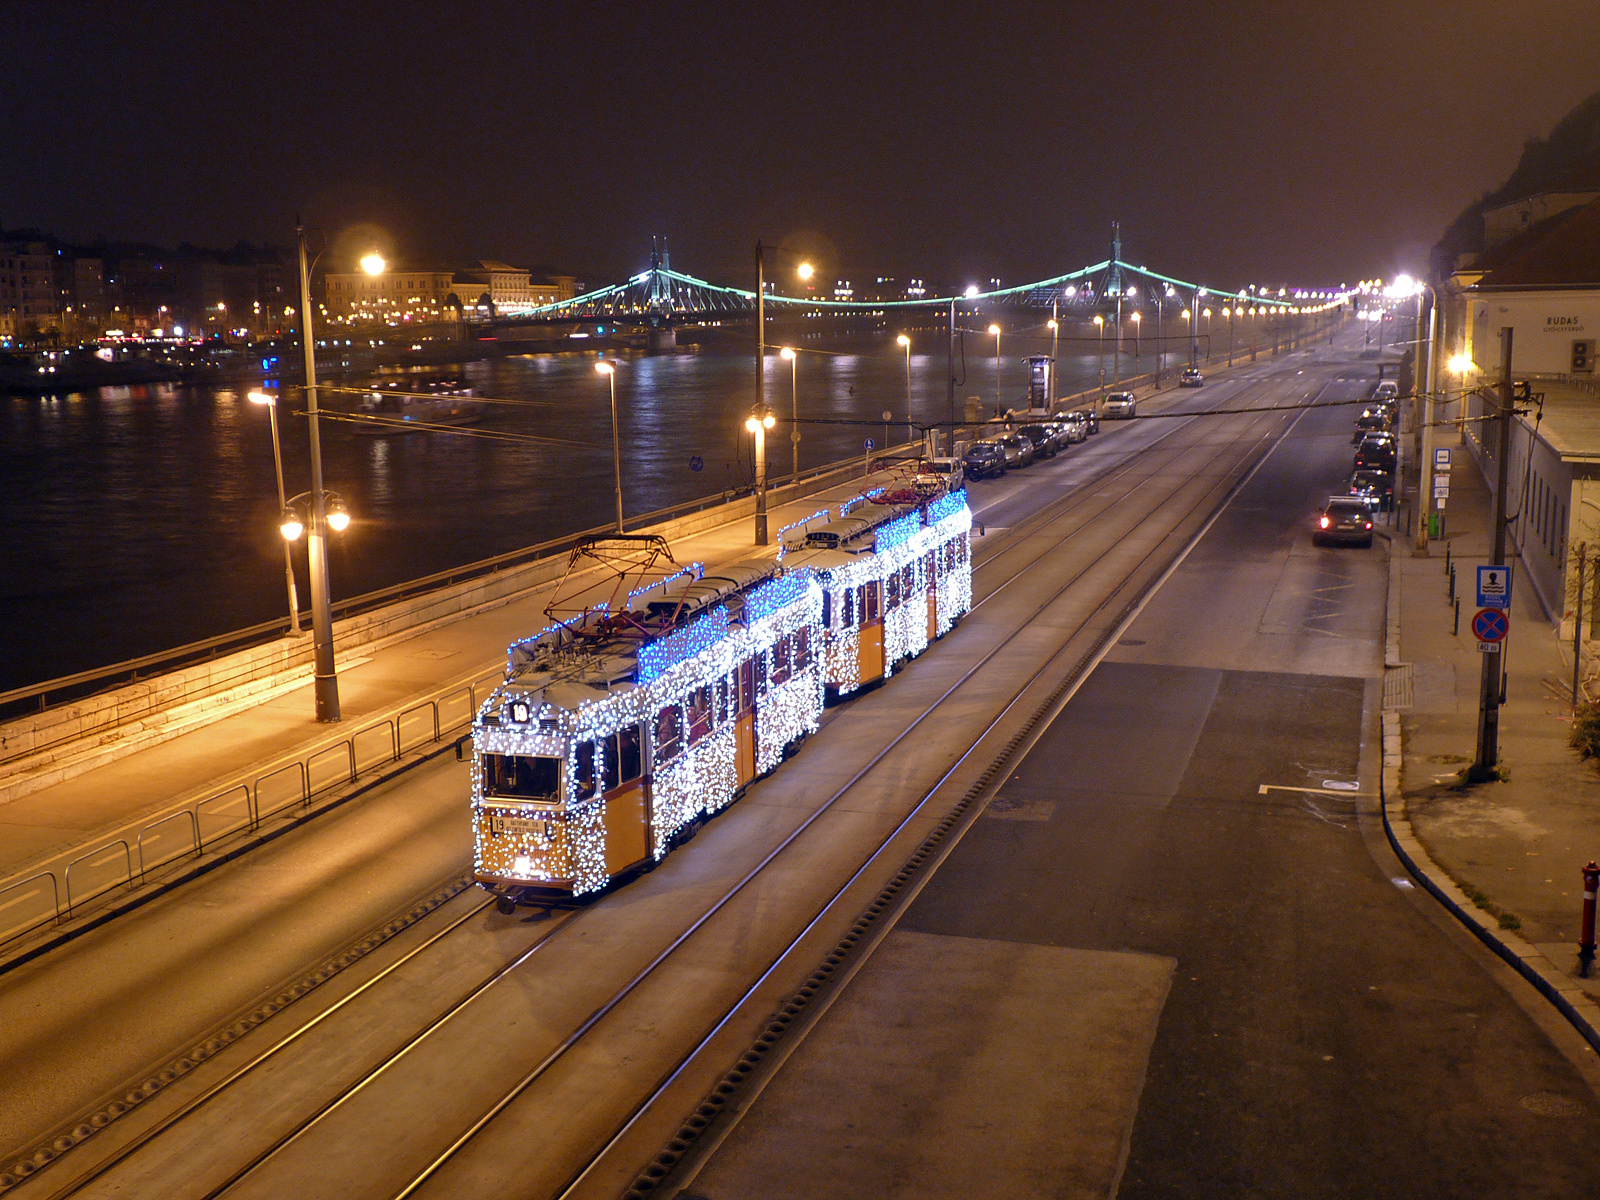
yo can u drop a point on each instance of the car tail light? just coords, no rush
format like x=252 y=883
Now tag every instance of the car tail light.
x=1369 y=524
x=1324 y=522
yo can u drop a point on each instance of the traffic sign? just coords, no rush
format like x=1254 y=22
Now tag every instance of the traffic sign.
x=1494 y=587
x=1441 y=459
x=1488 y=647
x=869 y=443
x=1490 y=625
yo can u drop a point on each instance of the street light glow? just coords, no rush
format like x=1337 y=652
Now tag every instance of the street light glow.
x=1460 y=364
x=604 y=368
x=338 y=520
x=769 y=421
x=373 y=264
x=1051 y=324
x=752 y=424
x=787 y=353
x=995 y=329
x=972 y=290
x=261 y=398
x=291 y=528
x=804 y=270
x=903 y=340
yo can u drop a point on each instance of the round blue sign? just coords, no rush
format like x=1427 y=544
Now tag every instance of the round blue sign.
x=1490 y=625
x=870 y=443
x=696 y=463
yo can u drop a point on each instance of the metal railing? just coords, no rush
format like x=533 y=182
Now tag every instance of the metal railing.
x=125 y=861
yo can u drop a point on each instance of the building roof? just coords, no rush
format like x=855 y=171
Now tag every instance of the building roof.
x=1561 y=252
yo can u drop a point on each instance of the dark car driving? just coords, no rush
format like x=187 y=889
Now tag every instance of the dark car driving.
x=1376 y=487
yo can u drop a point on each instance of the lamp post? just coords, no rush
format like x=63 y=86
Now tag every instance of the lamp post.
x=609 y=370
x=327 y=679
x=1055 y=342
x=1100 y=342
x=995 y=329
x=804 y=271
x=1235 y=310
x=905 y=341
x=794 y=405
x=271 y=402
x=1138 y=343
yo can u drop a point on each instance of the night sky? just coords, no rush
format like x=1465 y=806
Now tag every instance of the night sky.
x=1299 y=143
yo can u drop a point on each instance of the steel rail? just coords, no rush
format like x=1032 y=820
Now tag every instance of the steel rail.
x=595 y=1017
x=1065 y=507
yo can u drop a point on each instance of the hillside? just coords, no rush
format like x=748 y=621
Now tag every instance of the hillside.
x=1567 y=160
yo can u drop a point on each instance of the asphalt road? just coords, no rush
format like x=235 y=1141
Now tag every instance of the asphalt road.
x=1325 y=1034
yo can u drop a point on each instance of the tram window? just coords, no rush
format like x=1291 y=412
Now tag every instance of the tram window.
x=802 y=648
x=747 y=685
x=624 y=763
x=927 y=569
x=722 y=699
x=522 y=775
x=780 y=661
x=583 y=786
x=847 y=607
x=908 y=579
x=668 y=726
x=761 y=662
x=827 y=608
x=869 y=602
x=891 y=598
x=699 y=714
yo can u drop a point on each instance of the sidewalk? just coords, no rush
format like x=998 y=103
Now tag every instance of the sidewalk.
x=1514 y=847
x=127 y=798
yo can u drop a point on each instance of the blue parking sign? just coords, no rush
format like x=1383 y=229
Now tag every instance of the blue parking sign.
x=1494 y=587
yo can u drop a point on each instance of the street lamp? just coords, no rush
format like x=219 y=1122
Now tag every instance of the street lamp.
x=905 y=341
x=373 y=264
x=759 y=421
x=271 y=402
x=995 y=329
x=610 y=372
x=327 y=679
x=794 y=403
x=1054 y=327
x=804 y=271
x=1138 y=344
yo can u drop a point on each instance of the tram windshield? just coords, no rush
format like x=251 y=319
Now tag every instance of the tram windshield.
x=524 y=776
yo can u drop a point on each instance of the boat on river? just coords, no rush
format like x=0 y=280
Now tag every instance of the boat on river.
x=416 y=406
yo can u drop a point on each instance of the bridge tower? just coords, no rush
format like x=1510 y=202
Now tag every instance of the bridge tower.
x=658 y=300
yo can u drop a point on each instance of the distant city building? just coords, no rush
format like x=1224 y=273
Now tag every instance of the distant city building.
x=400 y=293
x=28 y=293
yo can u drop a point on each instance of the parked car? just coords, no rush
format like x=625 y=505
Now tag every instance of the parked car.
x=1120 y=404
x=1048 y=440
x=1075 y=424
x=952 y=470
x=1018 y=449
x=1190 y=377
x=984 y=459
x=1376 y=487
x=1376 y=453
x=1345 y=520
x=1372 y=420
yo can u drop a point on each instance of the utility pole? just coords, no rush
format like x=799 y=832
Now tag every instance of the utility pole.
x=1489 y=690
x=950 y=364
x=761 y=396
x=327 y=679
x=1425 y=500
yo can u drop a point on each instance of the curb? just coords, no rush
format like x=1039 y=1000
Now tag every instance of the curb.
x=1554 y=984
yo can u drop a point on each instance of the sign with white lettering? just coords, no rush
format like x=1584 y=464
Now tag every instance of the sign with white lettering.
x=1494 y=587
x=1441 y=458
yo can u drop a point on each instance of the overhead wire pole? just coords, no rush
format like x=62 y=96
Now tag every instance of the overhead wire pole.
x=761 y=397
x=1483 y=767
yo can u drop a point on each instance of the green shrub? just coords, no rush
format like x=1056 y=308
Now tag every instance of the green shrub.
x=1586 y=731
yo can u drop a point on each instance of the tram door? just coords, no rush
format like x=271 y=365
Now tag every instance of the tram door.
x=870 y=641
x=627 y=814
x=933 y=595
x=744 y=724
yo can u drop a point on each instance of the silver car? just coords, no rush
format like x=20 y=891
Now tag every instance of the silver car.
x=1119 y=404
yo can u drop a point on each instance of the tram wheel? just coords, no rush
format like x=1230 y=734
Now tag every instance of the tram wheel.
x=505 y=905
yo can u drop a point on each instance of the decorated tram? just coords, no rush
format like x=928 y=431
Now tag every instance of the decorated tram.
x=659 y=693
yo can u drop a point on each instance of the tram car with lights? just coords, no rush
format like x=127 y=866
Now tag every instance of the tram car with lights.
x=652 y=702
x=895 y=572
x=623 y=726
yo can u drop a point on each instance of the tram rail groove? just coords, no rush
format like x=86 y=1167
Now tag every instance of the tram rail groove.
x=1063 y=508
x=522 y=1085
x=680 y=1159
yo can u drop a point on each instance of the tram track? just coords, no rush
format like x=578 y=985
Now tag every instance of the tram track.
x=1079 y=510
